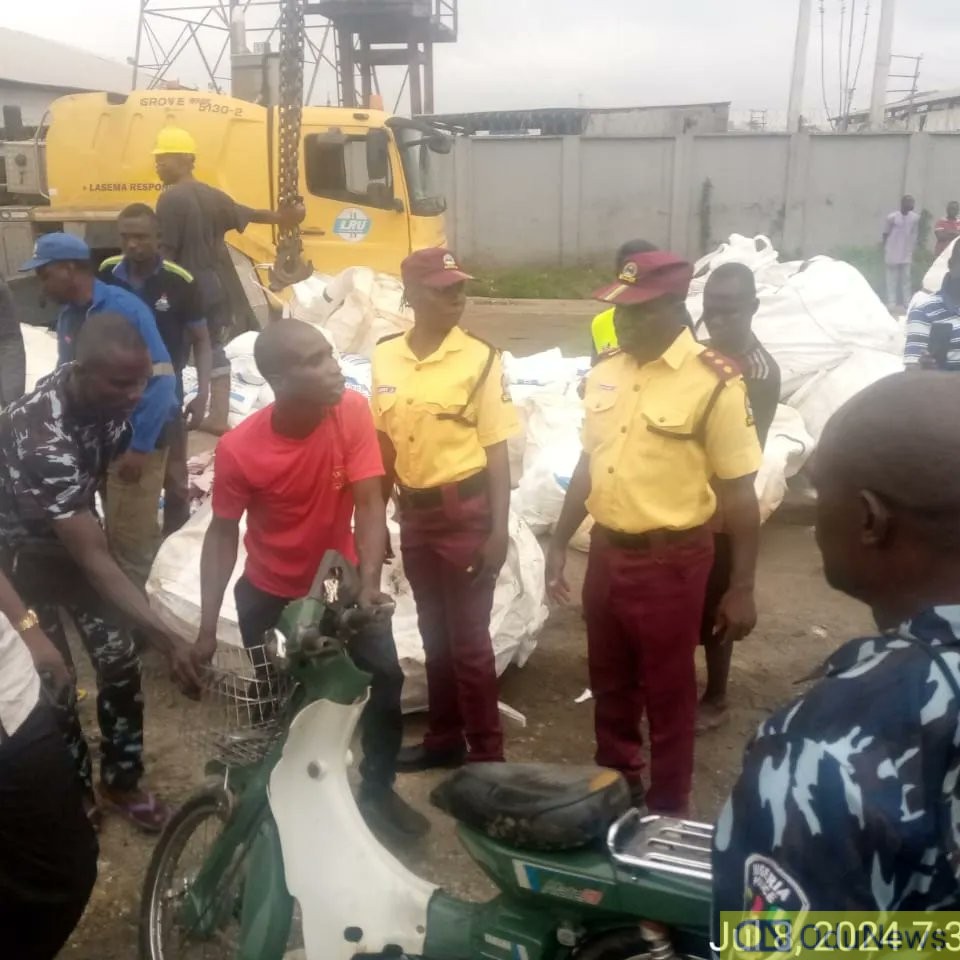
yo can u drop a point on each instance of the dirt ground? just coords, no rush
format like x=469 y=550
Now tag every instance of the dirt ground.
x=801 y=621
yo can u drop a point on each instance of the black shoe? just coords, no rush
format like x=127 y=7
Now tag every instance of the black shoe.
x=416 y=758
x=386 y=812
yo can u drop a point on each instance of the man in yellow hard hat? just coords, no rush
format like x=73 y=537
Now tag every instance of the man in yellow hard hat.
x=194 y=217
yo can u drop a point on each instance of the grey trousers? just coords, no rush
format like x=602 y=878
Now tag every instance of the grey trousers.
x=899 y=285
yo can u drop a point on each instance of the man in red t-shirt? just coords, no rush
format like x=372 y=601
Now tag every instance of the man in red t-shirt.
x=299 y=469
x=948 y=229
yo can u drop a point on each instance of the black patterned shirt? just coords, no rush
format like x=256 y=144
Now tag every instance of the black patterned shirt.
x=51 y=460
x=849 y=797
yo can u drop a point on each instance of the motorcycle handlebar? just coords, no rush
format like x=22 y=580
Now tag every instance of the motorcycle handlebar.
x=352 y=619
x=357 y=617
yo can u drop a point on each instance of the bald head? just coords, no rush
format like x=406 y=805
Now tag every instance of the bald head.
x=898 y=437
x=888 y=496
x=103 y=335
x=298 y=363
x=112 y=368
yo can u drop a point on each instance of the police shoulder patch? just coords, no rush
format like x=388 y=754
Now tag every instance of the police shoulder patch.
x=769 y=888
x=723 y=367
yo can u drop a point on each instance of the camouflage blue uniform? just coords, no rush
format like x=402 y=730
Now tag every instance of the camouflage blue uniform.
x=849 y=797
x=51 y=465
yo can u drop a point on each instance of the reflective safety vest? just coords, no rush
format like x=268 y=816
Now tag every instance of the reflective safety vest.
x=604 y=332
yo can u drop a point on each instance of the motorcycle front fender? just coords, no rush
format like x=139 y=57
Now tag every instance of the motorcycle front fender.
x=354 y=896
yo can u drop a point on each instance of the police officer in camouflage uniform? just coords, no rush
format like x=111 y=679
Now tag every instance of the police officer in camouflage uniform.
x=849 y=797
x=55 y=446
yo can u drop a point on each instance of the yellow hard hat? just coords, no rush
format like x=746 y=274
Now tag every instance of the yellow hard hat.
x=174 y=140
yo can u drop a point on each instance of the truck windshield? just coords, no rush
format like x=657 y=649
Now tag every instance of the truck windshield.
x=421 y=170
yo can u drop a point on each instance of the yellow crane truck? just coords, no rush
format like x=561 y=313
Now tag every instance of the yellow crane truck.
x=369 y=181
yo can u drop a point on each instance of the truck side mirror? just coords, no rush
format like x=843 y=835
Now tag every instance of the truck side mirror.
x=378 y=158
x=440 y=144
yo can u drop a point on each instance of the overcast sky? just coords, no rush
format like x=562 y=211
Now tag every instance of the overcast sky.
x=537 y=53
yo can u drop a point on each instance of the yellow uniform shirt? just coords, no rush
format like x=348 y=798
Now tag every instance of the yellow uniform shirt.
x=410 y=395
x=648 y=469
x=604 y=332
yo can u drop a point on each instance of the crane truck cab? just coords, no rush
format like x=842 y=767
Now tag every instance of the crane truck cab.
x=370 y=181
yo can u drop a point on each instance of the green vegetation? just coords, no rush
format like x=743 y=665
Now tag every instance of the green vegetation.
x=539 y=283
x=869 y=261
x=579 y=282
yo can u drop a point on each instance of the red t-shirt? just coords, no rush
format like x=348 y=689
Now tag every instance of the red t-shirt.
x=951 y=227
x=296 y=493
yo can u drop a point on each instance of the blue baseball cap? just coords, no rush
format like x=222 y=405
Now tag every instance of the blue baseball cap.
x=52 y=247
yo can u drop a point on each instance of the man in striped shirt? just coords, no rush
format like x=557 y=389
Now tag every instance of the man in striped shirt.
x=943 y=307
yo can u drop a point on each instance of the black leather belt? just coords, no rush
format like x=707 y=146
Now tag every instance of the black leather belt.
x=648 y=540
x=433 y=496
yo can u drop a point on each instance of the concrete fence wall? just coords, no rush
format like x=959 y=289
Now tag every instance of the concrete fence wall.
x=565 y=200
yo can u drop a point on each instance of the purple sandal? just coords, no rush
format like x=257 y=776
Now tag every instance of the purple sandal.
x=148 y=814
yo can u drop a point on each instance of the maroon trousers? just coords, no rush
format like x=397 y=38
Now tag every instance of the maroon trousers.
x=643 y=610
x=439 y=544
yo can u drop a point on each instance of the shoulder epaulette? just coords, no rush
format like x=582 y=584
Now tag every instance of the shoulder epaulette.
x=607 y=354
x=110 y=262
x=388 y=338
x=723 y=367
x=486 y=343
x=178 y=270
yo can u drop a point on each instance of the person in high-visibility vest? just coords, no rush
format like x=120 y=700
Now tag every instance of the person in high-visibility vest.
x=602 y=331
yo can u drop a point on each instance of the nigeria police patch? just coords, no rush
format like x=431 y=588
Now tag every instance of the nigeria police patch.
x=769 y=889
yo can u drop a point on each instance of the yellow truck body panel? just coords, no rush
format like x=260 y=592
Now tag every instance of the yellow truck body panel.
x=99 y=159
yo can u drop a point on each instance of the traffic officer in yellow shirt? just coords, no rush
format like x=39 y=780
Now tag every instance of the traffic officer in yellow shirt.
x=444 y=416
x=663 y=416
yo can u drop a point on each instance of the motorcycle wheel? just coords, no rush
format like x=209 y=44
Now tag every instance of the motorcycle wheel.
x=176 y=860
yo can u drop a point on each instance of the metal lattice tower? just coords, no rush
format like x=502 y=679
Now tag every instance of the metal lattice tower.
x=180 y=43
x=193 y=44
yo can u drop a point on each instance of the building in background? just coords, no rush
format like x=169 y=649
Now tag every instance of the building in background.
x=935 y=112
x=665 y=121
x=35 y=71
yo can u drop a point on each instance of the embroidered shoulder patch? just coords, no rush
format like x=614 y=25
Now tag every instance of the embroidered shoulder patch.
x=769 y=889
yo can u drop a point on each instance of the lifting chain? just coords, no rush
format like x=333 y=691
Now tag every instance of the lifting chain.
x=289 y=266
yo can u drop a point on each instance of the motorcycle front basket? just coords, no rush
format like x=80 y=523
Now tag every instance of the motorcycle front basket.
x=241 y=708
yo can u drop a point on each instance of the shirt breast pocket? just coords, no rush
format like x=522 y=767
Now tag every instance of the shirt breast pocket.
x=672 y=421
x=385 y=403
x=600 y=403
x=452 y=406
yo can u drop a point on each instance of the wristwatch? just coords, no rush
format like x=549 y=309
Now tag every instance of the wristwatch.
x=27 y=622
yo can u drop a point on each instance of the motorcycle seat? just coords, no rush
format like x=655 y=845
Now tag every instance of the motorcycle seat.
x=535 y=806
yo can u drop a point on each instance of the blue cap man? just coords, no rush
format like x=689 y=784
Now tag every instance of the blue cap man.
x=65 y=270
x=55 y=248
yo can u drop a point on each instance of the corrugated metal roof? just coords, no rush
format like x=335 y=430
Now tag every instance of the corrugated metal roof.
x=29 y=59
